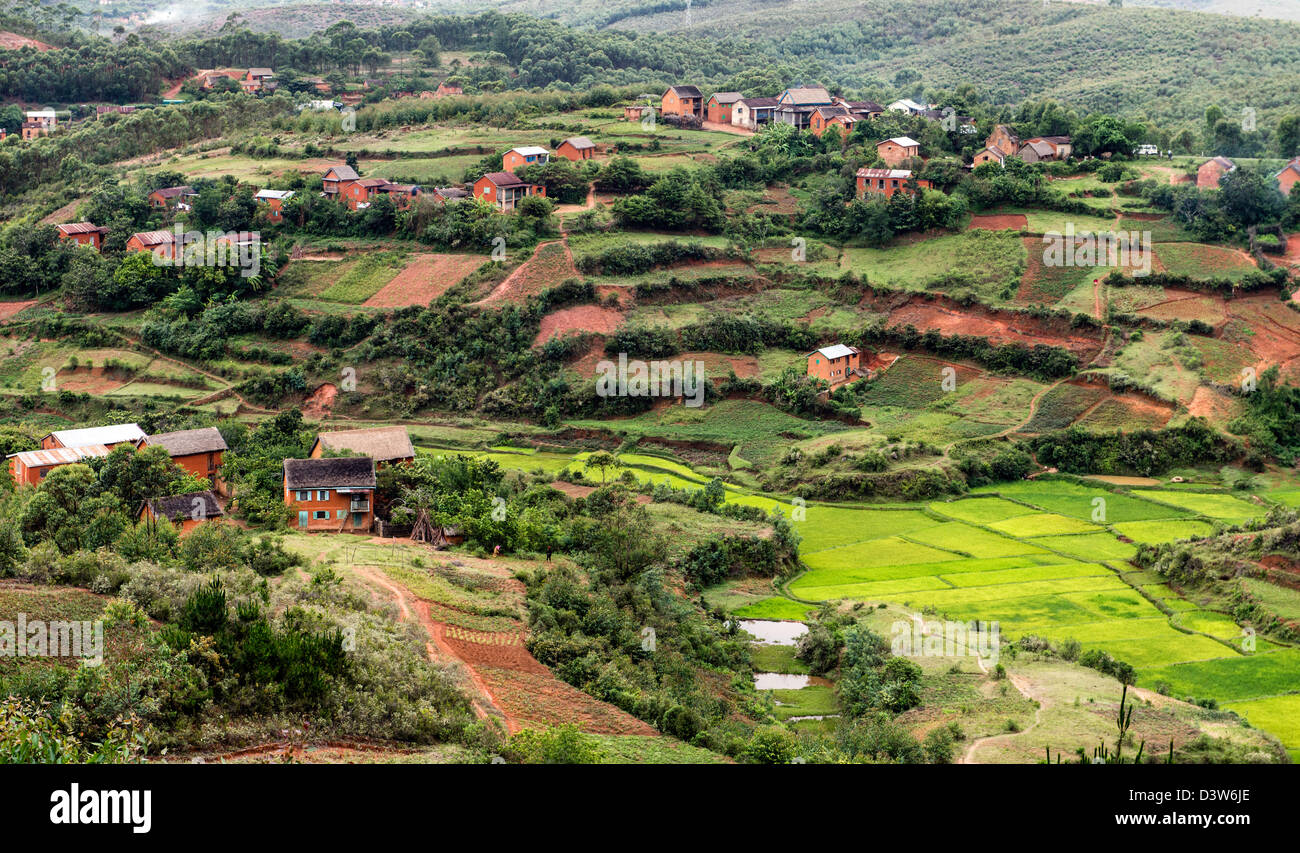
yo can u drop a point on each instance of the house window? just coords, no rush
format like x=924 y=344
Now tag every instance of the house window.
x=321 y=515
x=304 y=496
x=339 y=514
x=323 y=495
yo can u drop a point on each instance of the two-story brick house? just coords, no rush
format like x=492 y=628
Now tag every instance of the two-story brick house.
x=333 y=495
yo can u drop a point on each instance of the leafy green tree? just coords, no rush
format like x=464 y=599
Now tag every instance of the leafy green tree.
x=1250 y=196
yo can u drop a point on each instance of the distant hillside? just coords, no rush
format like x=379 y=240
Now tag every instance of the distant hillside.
x=1163 y=64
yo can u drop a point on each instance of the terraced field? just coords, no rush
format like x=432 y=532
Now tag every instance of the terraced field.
x=1044 y=557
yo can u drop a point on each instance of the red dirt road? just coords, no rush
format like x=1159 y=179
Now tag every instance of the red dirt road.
x=506 y=682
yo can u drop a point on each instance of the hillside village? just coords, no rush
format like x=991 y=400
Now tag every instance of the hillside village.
x=388 y=404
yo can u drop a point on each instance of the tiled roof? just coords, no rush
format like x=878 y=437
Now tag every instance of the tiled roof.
x=189 y=441
x=340 y=472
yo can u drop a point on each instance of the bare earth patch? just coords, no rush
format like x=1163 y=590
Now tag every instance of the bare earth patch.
x=999 y=221
x=13 y=41
x=579 y=318
x=9 y=309
x=424 y=279
x=999 y=329
x=321 y=402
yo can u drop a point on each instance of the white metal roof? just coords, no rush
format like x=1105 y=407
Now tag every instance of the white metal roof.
x=58 y=455
x=529 y=150
x=274 y=194
x=113 y=434
x=904 y=141
x=836 y=351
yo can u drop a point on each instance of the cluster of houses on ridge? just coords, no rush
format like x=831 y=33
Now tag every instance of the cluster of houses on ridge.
x=329 y=493
x=342 y=183
x=811 y=108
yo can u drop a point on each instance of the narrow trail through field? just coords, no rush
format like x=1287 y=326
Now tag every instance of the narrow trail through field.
x=1033 y=410
x=409 y=604
x=1097 y=309
x=1026 y=689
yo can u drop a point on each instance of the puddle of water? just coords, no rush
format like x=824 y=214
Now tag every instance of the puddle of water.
x=779 y=681
x=771 y=633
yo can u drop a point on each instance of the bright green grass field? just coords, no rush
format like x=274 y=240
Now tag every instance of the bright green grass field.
x=1032 y=573
x=1164 y=530
x=829 y=577
x=1278 y=715
x=811 y=700
x=1214 y=506
x=1171 y=648
x=1231 y=678
x=1089 y=546
x=1209 y=622
x=890 y=551
x=964 y=539
x=1043 y=524
x=831 y=527
x=1077 y=501
x=979 y=510
x=773 y=608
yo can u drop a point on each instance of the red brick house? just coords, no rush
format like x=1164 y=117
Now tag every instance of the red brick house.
x=719 y=106
x=185 y=511
x=1003 y=140
x=1209 y=172
x=336 y=179
x=989 y=155
x=83 y=234
x=683 y=101
x=172 y=197
x=896 y=150
x=576 y=148
x=444 y=90
x=528 y=155
x=357 y=194
x=161 y=243
x=833 y=117
x=886 y=182
x=257 y=80
x=505 y=189
x=1287 y=178
x=635 y=111
x=835 y=364
x=331 y=495
x=196 y=451
x=30 y=467
x=385 y=445
x=274 y=201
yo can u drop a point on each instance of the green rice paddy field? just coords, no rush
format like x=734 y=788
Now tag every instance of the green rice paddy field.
x=1039 y=557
